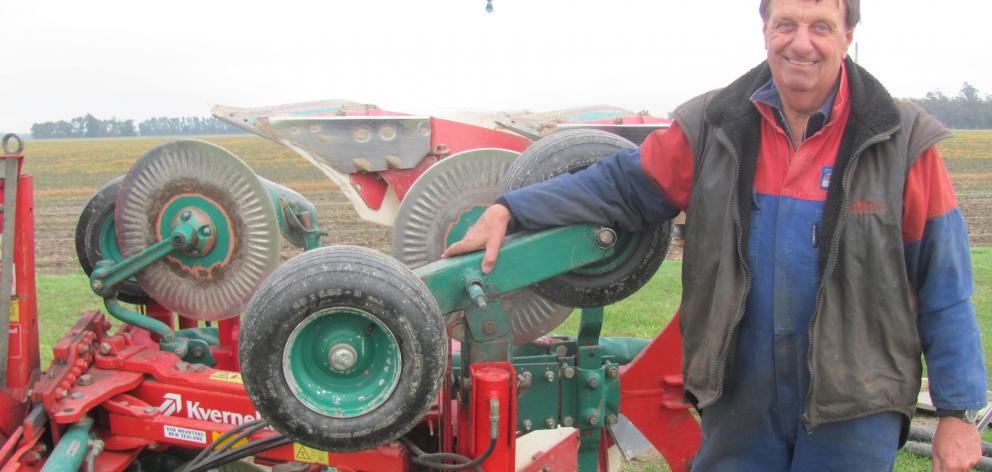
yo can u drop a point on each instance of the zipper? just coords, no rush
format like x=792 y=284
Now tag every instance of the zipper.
x=832 y=262
x=731 y=336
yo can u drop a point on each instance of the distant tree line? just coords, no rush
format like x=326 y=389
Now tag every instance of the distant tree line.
x=90 y=127
x=968 y=110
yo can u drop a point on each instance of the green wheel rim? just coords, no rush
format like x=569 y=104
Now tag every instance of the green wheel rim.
x=624 y=247
x=342 y=362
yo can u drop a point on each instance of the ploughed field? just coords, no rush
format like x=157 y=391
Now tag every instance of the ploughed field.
x=68 y=172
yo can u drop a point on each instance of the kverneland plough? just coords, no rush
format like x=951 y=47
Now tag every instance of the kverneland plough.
x=342 y=358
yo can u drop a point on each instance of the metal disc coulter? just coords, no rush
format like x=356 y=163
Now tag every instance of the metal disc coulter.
x=233 y=238
x=441 y=206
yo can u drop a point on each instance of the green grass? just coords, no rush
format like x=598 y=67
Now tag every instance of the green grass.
x=62 y=298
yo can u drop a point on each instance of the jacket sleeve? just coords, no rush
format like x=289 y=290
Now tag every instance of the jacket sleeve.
x=938 y=260
x=621 y=190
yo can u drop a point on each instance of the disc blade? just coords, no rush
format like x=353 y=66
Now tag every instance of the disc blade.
x=194 y=174
x=433 y=215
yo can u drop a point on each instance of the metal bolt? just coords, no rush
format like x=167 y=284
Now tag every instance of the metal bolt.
x=561 y=350
x=593 y=382
x=186 y=215
x=606 y=237
x=612 y=372
x=593 y=418
x=77 y=395
x=150 y=410
x=181 y=351
x=198 y=351
x=96 y=285
x=83 y=348
x=85 y=379
x=569 y=372
x=342 y=357
x=199 y=367
x=489 y=327
x=194 y=253
x=528 y=425
x=105 y=348
x=182 y=366
x=550 y=423
x=63 y=393
x=612 y=420
x=206 y=231
x=568 y=421
x=524 y=380
x=549 y=376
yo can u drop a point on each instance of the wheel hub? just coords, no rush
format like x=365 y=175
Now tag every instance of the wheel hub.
x=343 y=357
x=342 y=362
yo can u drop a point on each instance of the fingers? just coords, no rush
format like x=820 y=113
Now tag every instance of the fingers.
x=493 y=245
x=487 y=233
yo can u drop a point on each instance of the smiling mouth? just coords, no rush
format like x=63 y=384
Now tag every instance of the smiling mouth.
x=801 y=63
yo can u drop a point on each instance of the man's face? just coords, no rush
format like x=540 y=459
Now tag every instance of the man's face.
x=806 y=43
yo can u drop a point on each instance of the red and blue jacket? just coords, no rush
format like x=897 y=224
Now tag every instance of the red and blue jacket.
x=634 y=188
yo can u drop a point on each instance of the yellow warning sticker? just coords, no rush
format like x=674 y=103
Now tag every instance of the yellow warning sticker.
x=224 y=376
x=15 y=312
x=214 y=435
x=302 y=453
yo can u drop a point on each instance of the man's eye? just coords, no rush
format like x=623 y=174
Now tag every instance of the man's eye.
x=785 y=26
x=821 y=28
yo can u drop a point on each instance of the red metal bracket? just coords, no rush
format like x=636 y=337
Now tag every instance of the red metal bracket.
x=652 y=398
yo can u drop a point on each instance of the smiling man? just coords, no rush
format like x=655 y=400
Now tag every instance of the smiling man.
x=824 y=255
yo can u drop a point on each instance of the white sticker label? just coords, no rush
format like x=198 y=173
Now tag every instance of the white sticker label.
x=185 y=434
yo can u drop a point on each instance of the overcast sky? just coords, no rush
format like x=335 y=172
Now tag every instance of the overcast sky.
x=137 y=59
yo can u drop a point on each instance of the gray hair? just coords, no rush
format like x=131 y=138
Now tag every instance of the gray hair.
x=852 y=8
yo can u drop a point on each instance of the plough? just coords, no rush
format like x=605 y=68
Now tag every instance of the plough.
x=342 y=358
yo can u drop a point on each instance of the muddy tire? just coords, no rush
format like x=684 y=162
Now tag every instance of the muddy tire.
x=638 y=254
x=342 y=349
x=96 y=239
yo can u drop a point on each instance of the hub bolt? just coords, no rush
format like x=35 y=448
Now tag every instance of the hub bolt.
x=186 y=215
x=206 y=231
x=489 y=327
x=606 y=238
x=593 y=382
x=342 y=357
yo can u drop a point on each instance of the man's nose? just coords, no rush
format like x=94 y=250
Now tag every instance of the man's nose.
x=802 y=41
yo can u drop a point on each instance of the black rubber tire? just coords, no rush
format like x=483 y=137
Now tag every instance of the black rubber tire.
x=353 y=277
x=570 y=151
x=95 y=214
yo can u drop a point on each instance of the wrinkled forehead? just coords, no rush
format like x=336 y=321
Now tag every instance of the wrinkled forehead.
x=770 y=5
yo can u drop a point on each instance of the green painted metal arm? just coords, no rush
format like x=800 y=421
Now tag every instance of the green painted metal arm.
x=71 y=449
x=137 y=319
x=107 y=276
x=523 y=261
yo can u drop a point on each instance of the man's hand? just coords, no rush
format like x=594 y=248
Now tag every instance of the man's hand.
x=488 y=232
x=957 y=445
